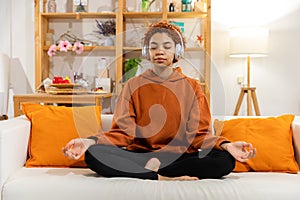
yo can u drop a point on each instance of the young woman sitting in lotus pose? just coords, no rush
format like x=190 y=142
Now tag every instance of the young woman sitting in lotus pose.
x=161 y=124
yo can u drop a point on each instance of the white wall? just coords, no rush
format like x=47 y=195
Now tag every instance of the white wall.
x=276 y=76
x=16 y=37
x=22 y=35
x=4 y=55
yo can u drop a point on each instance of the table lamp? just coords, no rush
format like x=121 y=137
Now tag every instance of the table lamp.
x=248 y=42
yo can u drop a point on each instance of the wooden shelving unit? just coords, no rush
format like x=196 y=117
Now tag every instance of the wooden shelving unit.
x=121 y=16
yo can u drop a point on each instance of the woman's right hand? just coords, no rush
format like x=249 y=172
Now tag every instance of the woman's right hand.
x=77 y=147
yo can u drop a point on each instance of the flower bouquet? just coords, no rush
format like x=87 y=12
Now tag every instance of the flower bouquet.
x=59 y=84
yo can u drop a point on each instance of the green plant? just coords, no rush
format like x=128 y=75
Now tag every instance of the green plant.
x=131 y=66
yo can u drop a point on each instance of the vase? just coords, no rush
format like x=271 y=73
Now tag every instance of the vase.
x=108 y=41
x=51 y=6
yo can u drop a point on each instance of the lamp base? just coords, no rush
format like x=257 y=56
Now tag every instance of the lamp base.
x=251 y=97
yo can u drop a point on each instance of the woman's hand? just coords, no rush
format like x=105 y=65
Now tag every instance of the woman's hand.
x=77 y=147
x=241 y=151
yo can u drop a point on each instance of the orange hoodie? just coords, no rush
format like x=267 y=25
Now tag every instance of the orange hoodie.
x=167 y=115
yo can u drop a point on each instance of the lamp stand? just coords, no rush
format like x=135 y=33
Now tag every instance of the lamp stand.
x=251 y=95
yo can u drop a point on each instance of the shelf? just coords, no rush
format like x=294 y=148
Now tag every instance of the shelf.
x=44 y=22
x=169 y=14
x=186 y=14
x=90 y=48
x=142 y=14
x=79 y=15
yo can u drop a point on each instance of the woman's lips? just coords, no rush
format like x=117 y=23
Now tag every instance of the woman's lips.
x=160 y=59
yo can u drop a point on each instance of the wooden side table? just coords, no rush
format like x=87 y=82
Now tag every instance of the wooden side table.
x=45 y=98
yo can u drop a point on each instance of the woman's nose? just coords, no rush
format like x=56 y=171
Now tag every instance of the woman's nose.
x=159 y=51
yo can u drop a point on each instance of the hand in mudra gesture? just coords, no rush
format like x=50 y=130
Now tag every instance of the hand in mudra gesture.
x=77 y=147
x=241 y=151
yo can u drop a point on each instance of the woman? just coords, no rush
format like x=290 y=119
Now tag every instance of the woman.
x=161 y=124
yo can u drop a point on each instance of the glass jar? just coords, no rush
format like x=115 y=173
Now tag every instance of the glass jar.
x=186 y=5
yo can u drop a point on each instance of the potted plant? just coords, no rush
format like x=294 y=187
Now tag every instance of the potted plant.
x=107 y=29
x=131 y=66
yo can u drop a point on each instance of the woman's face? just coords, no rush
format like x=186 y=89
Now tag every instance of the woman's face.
x=161 y=50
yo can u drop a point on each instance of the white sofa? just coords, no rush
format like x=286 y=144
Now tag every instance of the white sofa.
x=20 y=183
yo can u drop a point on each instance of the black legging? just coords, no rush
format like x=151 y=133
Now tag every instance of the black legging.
x=111 y=161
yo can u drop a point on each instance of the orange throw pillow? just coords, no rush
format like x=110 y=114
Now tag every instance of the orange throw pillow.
x=53 y=126
x=272 y=138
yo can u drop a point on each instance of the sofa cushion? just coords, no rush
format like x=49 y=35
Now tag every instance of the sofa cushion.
x=53 y=126
x=272 y=137
x=79 y=184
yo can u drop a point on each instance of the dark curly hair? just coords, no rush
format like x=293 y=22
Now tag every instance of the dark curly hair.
x=164 y=27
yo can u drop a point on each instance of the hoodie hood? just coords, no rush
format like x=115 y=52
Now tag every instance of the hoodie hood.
x=176 y=76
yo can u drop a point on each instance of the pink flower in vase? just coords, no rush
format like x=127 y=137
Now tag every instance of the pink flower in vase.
x=64 y=45
x=78 y=47
x=52 y=50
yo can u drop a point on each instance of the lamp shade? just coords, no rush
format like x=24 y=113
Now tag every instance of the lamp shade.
x=248 y=41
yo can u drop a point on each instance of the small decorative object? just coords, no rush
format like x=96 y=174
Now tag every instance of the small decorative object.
x=73 y=38
x=146 y=4
x=200 y=6
x=77 y=76
x=102 y=71
x=59 y=80
x=186 y=5
x=108 y=41
x=69 y=6
x=171 y=7
x=200 y=40
x=49 y=37
x=65 y=46
x=80 y=5
x=51 y=6
x=107 y=29
x=131 y=66
x=104 y=83
x=80 y=8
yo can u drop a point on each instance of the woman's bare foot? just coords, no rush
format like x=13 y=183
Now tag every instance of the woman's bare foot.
x=179 y=178
x=153 y=164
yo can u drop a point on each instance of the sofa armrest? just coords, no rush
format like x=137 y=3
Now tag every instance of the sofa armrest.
x=14 y=136
x=296 y=139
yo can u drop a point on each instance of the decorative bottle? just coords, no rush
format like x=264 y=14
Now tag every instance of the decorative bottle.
x=145 y=5
x=171 y=7
x=51 y=6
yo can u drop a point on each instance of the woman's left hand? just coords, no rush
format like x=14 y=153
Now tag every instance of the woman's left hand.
x=241 y=151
